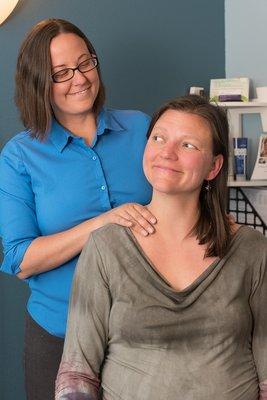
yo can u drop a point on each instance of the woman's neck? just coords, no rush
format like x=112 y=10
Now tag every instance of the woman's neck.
x=176 y=215
x=81 y=125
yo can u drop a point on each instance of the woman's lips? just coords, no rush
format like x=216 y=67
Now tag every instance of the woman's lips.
x=166 y=169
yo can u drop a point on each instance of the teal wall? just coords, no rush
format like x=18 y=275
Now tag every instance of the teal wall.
x=149 y=51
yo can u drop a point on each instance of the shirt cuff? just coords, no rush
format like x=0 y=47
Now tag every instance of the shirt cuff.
x=14 y=257
x=263 y=390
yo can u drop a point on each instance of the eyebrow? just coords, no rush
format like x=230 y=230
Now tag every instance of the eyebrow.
x=184 y=135
x=64 y=65
x=161 y=128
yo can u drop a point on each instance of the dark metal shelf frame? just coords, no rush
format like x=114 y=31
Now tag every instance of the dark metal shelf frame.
x=243 y=211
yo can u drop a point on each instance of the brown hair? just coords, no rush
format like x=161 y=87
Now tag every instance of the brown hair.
x=33 y=75
x=212 y=227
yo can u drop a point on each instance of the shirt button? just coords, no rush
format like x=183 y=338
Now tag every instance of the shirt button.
x=94 y=158
x=103 y=187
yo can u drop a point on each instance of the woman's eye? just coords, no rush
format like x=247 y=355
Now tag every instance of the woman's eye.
x=62 y=73
x=157 y=138
x=189 y=145
x=87 y=63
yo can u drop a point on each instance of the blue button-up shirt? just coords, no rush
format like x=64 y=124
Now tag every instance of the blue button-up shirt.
x=51 y=186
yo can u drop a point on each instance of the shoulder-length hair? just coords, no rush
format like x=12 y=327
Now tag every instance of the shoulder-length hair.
x=212 y=227
x=33 y=75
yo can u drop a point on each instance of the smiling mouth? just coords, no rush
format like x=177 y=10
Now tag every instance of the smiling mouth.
x=166 y=169
x=80 y=92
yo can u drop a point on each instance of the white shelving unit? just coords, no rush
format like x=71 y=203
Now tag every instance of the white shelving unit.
x=235 y=110
x=248 y=183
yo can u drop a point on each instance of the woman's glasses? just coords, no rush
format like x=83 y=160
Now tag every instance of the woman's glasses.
x=68 y=73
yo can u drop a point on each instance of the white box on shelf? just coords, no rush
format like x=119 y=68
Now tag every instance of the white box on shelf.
x=229 y=87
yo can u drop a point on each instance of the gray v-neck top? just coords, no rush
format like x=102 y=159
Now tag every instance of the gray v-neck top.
x=139 y=339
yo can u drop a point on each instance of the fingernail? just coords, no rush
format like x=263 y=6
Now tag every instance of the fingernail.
x=153 y=220
x=150 y=229
x=144 y=232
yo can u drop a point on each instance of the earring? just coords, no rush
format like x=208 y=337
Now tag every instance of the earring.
x=208 y=186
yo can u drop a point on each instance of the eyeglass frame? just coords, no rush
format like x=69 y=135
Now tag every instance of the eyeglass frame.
x=75 y=69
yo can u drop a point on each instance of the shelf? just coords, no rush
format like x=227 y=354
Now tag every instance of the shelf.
x=243 y=104
x=248 y=183
x=235 y=110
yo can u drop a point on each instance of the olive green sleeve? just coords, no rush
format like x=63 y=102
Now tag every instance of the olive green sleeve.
x=87 y=329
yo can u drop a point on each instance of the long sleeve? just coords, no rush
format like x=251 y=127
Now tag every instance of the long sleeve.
x=87 y=330
x=258 y=304
x=18 y=225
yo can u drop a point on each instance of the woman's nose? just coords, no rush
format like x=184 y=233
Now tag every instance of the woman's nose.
x=169 y=151
x=79 y=77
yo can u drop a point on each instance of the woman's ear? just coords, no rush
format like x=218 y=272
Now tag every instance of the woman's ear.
x=215 y=168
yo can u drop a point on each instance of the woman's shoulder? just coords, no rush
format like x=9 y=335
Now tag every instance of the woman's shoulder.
x=109 y=235
x=251 y=251
x=109 y=243
x=17 y=140
x=129 y=116
x=249 y=244
x=251 y=235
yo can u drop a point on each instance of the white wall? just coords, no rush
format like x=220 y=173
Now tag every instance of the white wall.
x=246 y=40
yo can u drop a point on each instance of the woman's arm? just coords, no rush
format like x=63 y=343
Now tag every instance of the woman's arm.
x=26 y=252
x=49 y=252
x=87 y=330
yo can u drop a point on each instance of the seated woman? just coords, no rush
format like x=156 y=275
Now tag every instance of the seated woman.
x=178 y=315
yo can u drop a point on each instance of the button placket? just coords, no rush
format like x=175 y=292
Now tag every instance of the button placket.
x=101 y=180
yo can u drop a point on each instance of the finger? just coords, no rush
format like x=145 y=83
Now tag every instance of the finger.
x=138 y=229
x=138 y=220
x=145 y=213
x=128 y=222
x=120 y=220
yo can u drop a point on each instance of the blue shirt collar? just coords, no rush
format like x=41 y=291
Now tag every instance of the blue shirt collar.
x=106 y=122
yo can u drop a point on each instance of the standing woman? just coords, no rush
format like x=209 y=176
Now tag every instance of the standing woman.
x=68 y=173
